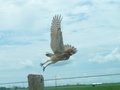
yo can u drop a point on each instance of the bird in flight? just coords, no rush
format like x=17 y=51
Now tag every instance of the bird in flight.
x=60 y=51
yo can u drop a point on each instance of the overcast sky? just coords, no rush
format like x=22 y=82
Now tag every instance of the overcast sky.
x=92 y=26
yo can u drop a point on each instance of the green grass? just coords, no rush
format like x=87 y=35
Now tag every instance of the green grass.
x=87 y=87
x=83 y=87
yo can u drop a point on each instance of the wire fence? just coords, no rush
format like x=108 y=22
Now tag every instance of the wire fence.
x=67 y=81
x=84 y=77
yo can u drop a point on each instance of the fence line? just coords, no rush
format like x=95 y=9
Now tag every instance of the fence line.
x=13 y=82
x=102 y=75
x=83 y=77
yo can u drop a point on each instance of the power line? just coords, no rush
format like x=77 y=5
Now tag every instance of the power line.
x=102 y=75
x=13 y=82
x=84 y=77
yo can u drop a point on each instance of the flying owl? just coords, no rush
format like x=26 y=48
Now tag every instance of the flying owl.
x=60 y=51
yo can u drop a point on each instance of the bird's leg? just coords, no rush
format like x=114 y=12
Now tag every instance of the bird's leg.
x=48 y=65
x=41 y=64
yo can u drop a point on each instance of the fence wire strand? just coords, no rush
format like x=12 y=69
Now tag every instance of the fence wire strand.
x=102 y=75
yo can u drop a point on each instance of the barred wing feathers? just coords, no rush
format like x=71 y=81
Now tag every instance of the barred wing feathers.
x=70 y=47
x=57 y=45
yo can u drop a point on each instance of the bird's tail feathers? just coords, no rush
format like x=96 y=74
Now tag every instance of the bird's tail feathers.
x=49 y=54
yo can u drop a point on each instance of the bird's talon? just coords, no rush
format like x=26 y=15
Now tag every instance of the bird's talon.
x=43 y=68
x=41 y=64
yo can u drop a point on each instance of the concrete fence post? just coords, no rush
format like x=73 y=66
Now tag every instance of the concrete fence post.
x=35 y=82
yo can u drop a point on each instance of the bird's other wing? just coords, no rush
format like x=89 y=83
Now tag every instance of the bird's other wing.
x=70 y=47
x=57 y=45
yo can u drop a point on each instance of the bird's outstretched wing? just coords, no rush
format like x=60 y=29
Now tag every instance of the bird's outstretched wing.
x=56 y=35
x=67 y=47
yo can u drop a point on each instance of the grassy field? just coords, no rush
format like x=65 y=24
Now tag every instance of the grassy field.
x=83 y=87
x=87 y=87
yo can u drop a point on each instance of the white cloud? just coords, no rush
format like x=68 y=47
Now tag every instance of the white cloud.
x=27 y=63
x=114 y=55
x=31 y=14
x=17 y=56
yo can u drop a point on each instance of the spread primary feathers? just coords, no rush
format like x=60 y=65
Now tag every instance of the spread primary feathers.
x=60 y=51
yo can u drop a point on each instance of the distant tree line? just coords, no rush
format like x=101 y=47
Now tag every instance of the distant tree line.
x=14 y=87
